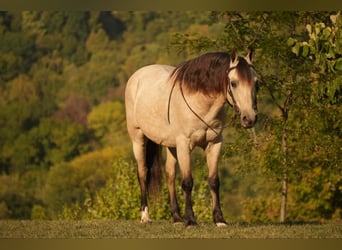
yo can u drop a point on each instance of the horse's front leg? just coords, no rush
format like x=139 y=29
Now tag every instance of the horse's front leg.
x=212 y=153
x=170 y=171
x=183 y=155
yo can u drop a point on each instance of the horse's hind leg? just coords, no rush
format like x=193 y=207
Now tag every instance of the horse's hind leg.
x=212 y=152
x=170 y=171
x=139 y=144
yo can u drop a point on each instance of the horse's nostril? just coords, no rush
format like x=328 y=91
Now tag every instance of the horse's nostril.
x=247 y=121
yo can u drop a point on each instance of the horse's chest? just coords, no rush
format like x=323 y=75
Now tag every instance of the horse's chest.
x=201 y=137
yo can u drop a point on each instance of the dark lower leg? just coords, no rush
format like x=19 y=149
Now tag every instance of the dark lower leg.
x=214 y=184
x=187 y=185
x=175 y=209
x=173 y=199
x=170 y=172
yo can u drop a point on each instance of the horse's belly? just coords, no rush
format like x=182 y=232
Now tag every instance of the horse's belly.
x=159 y=135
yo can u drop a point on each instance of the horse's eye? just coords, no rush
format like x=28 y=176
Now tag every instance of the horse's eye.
x=234 y=84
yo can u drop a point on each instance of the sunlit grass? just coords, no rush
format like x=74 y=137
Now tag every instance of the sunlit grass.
x=163 y=229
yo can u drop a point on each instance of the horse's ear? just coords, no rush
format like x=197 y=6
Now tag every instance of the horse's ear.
x=250 y=56
x=234 y=59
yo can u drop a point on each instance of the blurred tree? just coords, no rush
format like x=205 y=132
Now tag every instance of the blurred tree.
x=68 y=184
x=107 y=121
x=64 y=34
x=49 y=143
x=16 y=202
x=17 y=53
x=21 y=89
x=112 y=25
x=323 y=49
x=75 y=109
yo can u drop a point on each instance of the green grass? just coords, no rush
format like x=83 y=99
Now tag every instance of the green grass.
x=162 y=229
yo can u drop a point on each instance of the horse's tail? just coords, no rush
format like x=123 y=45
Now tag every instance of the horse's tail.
x=154 y=168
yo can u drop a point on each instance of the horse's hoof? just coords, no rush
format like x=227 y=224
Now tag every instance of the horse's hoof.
x=145 y=221
x=177 y=223
x=189 y=224
x=177 y=220
x=221 y=224
x=145 y=218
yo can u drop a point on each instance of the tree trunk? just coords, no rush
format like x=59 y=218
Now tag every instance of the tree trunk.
x=285 y=112
x=285 y=179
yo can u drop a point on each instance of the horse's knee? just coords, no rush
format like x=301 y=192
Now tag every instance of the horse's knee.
x=187 y=184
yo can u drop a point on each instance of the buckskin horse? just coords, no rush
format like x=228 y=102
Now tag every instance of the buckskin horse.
x=183 y=107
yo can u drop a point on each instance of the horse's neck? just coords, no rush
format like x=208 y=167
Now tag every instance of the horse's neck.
x=209 y=108
x=216 y=108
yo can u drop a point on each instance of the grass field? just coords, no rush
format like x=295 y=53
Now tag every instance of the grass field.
x=123 y=229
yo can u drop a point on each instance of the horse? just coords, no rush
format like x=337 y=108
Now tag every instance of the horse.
x=181 y=108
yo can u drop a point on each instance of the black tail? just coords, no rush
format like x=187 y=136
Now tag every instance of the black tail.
x=154 y=169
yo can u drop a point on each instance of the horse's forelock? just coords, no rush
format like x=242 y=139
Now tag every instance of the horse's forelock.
x=244 y=71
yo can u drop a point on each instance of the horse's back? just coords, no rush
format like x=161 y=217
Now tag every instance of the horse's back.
x=146 y=79
x=154 y=73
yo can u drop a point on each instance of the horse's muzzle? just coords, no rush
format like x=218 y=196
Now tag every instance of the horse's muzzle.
x=248 y=121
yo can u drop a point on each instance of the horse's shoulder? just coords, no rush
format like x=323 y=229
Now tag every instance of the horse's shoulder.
x=160 y=71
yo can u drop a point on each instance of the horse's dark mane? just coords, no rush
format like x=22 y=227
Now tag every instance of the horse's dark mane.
x=208 y=73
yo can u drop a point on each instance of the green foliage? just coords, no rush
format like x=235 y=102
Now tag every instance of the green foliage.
x=262 y=209
x=62 y=187
x=4 y=213
x=17 y=53
x=93 y=79
x=49 y=143
x=16 y=198
x=106 y=121
x=120 y=198
x=324 y=48
x=70 y=184
x=317 y=196
x=38 y=213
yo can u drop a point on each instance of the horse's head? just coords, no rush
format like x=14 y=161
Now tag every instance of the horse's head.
x=241 y=88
